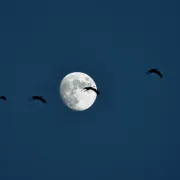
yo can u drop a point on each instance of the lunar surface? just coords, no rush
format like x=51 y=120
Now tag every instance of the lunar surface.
x=72 y=93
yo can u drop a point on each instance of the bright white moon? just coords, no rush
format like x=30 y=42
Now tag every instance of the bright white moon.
x=72 y=93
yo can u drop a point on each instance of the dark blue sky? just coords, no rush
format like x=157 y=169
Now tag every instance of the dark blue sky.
x=132 y=130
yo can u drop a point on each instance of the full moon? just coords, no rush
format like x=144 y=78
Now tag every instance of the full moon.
x=72 y=93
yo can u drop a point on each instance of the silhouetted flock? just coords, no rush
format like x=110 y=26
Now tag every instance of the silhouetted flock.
x=40 y=98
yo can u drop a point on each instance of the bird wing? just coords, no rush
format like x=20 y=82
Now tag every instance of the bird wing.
x=148 y=72
x=3 y=98
x=43 y=100
x=87 y=88
x=38 y=98
x=91 y=88
x=95 y=90
x=159 y=73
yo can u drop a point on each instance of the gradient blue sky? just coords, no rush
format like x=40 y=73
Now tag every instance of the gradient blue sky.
x=132 y=130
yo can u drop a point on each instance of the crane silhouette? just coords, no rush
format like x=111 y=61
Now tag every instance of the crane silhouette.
x=40 y=98
x=91 y=88
x=156 y=71
x=3 y=98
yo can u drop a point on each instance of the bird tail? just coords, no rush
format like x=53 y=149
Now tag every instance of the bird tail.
x=29 y=99
x=148 y=72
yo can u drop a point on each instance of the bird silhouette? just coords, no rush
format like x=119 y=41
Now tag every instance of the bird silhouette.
x=156 y=71
x=38 y=98
x=91 y=88
x=3 y=98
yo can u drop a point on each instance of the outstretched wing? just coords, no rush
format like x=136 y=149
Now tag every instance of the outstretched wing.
x=86 y=89
x=155 y=71
x=159 y=73
x=3 y=98
x=149 y=72
x=91 y=88
x=42 y=99
x=95 y=90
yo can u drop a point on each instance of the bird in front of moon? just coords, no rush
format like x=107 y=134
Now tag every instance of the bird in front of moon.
x=92 y=89
x=71 y=91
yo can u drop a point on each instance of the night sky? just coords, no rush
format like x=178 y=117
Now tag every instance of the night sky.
x=132 y=130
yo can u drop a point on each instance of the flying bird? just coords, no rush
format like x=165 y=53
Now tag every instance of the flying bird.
x=91 y=88
x=156 y=71
x=3 y=98
x=38 y=98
